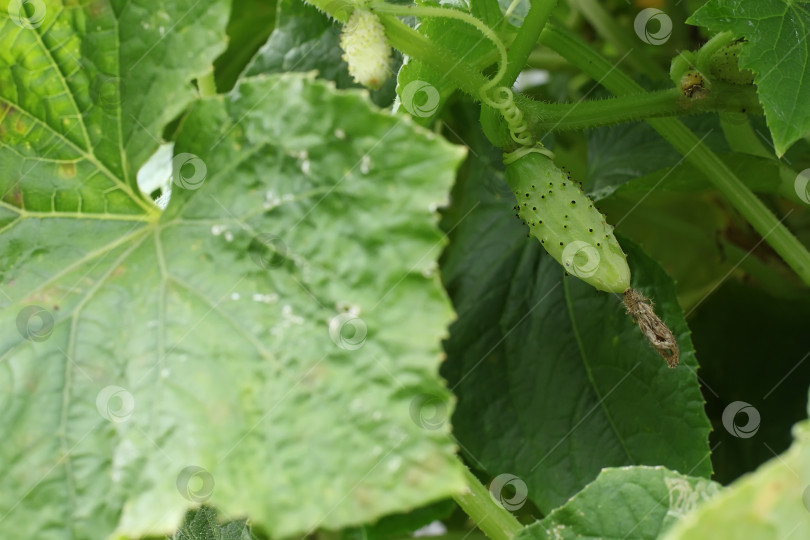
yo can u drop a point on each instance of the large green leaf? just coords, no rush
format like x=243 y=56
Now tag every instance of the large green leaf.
x=554 y=380
x=620 y=155
x=264 y=345
x=90 y=87
x=761 y=175
x=304 y=39
x=626 y=502
x=773 y=502
x=777 y=51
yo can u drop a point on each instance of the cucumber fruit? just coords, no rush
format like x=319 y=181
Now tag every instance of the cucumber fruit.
x=565 y=221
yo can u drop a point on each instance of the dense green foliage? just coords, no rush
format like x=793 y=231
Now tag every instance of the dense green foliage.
x=242 y=298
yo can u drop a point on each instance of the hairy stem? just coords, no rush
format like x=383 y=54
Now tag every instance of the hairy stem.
x=687 y=143
x=527 y=37
x=493 y=520
x=412 y=43
x=428 y=11
x=544 y=117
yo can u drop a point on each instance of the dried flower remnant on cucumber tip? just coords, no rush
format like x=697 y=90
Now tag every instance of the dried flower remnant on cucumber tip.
x=693 y=85
x=653 y=328
x=577 y=236
x=366 y=49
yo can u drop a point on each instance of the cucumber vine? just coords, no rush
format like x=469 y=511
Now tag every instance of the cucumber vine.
x=553 y=206
x=241 y=288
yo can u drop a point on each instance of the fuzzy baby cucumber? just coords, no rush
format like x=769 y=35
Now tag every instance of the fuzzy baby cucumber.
x=366 y=49
x=724 y=65
x=565 y=221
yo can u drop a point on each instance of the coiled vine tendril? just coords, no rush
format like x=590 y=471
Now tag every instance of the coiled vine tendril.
x=503 y=100
x=498 y=97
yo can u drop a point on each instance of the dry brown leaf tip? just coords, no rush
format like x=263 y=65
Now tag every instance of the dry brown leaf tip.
x=657 y=333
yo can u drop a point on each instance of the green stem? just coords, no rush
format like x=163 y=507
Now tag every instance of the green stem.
x=544 y=117
x=427 y=11
x=606 y=25
x=412 y=43
x=509 y=11
x=579 y=53
x=687 y=143
x=741 y=137
x=548 y=60
x=685 y=61
x=527 y=37
x=206 y=84
x=705 y=53
x=493 y=520
x=522 y=46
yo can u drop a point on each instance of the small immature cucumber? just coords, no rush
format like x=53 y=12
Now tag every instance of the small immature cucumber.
x=366 y=49
x=564 y=219
x=724 y=65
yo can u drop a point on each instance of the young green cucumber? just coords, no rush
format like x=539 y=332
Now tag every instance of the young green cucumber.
x=564 y=219
x=725 y=65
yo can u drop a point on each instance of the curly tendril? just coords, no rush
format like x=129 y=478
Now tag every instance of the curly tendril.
x=511 y=157
x=503 y=100
x=500 y=98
